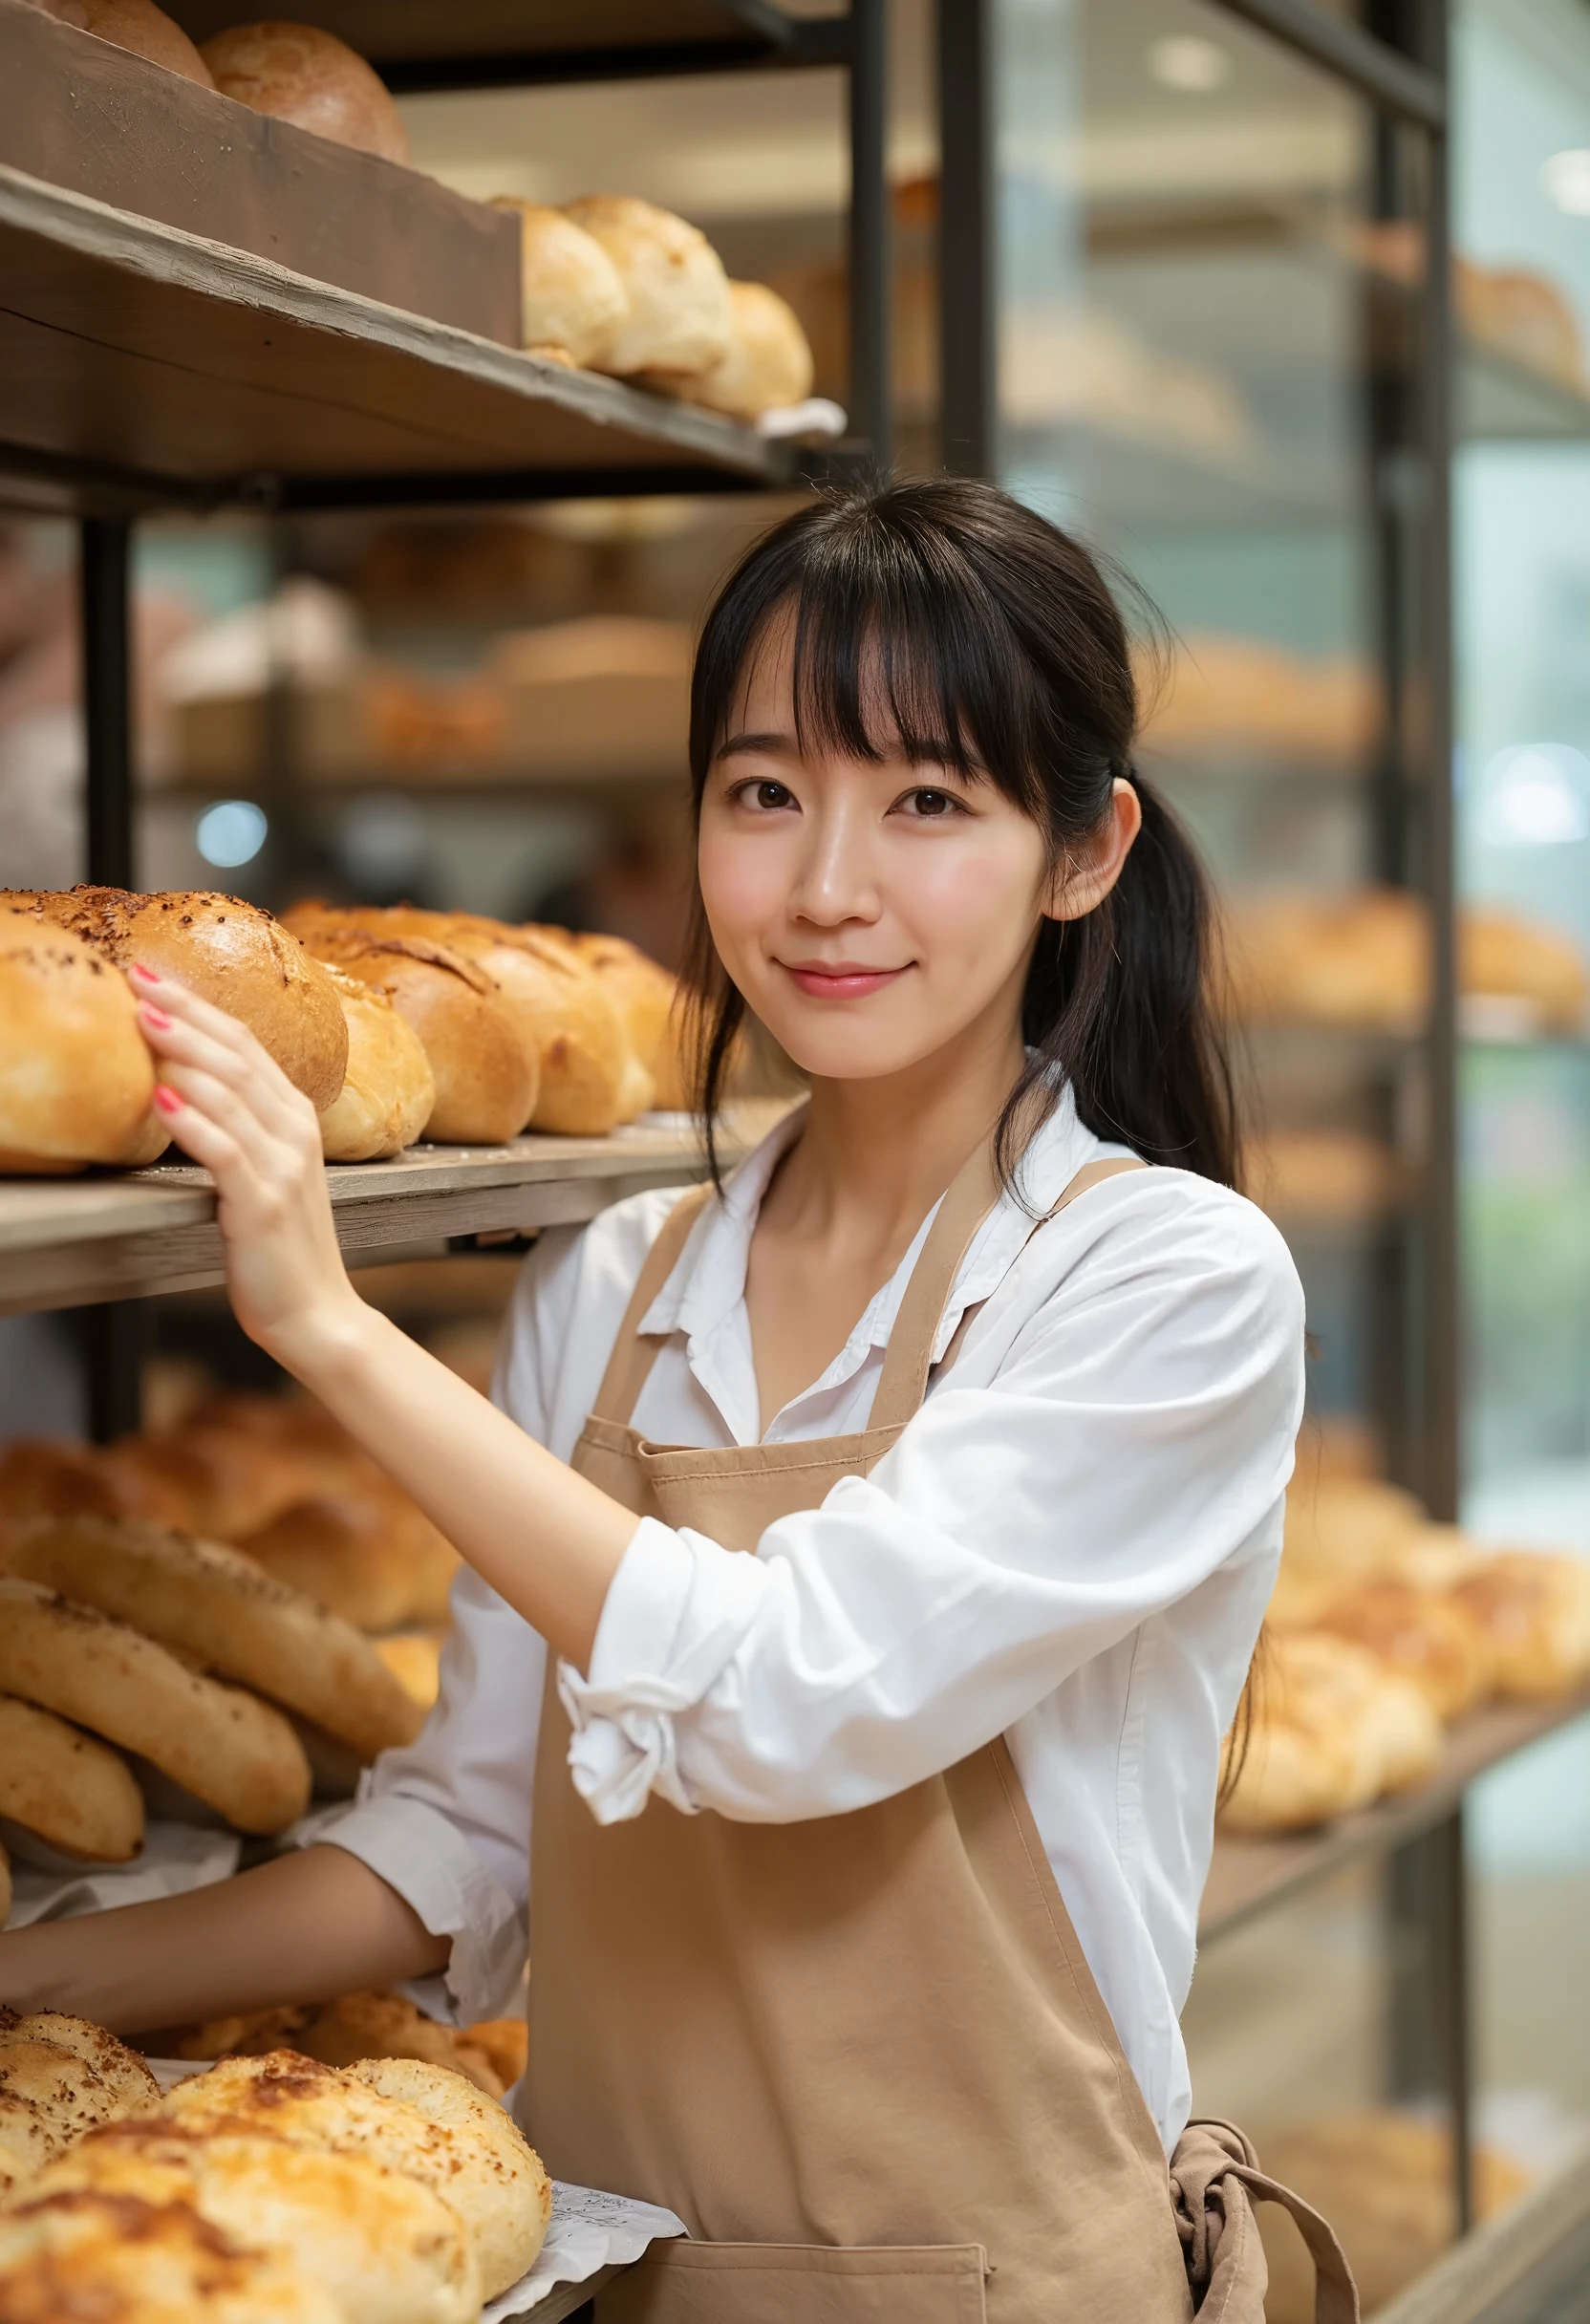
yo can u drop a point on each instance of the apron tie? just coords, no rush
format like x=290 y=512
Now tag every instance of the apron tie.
x=1214 y=2183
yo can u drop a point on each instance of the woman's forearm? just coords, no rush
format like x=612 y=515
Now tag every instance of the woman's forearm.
x=303 y=1928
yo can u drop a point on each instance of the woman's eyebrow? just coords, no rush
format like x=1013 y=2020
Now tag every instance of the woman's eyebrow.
x=757 y=745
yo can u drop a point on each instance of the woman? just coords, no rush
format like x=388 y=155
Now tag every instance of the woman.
x=862 y=1868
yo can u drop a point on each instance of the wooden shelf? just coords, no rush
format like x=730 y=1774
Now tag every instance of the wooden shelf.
x=140 y=362
x=68 y=1242
x=1249 y=1877
x=1500 y=401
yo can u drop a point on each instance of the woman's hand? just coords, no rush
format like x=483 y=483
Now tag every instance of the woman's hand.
x=232 y=1109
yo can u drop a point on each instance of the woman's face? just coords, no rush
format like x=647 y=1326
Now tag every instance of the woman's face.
x=871 y=912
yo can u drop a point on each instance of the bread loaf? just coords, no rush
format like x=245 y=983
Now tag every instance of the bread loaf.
x=230 y=1751
x=584 y=1057
x=299 y=74
x=388 y=1091
x=1429 y=1638
x=374 y=1561
x=136 y=25
x=1534 y=1609
x=678 y=318
x=65 y=1787
x=1332 y=1731
x=340 y=2033
x=40 y=1477
x=217 y=1607
x=76 y=1074
x=116 y=2260
x=648 y=1002
x=571 y=296
x=120 y=2070
x=214 y=1481
x=504 y=2194
x=768 y=364
x=388 y=2249
x=59 y=2077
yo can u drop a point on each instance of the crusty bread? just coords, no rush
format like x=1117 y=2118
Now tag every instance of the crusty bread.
x=341 y=2032
x=76 y=1077
x=66 y=1788
x=373 y=1558
x=647 y=998
x=217 y=1481
x=768 y=365
x=136 y=25
x=122 y=2071
x=216 y=1606
x=40 y=1477
x=115 y=2260
x=299 y=74
x=679 y=318
x=1430 y=1638
x=59 y=2077
x=482 y=2167
x=577 y=1034
x=226 y=1746
x=572 y=298
x=388 y=2249
x=388 y=1092
x=1534 y=1608
x=1333 y=1729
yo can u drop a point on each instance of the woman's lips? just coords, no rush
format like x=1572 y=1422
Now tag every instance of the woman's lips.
x=843 y=982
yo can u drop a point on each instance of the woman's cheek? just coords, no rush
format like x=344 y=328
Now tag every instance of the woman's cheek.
x=744 y=890
x=972 y=905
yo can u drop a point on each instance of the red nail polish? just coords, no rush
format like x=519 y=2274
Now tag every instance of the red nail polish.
x=166 y=1099
x=151 y=1015
x=146 y=975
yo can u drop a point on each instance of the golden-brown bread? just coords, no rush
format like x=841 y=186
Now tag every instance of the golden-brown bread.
x=767 y=363
x=485 y=1075
x=1498 y=954
x=122 y=2071
x=1534 y=1608
x=1430 y=1638
x=1332 y=1731
x=647 y=998
x=66 y=1788
x=572 y=298
x=76 y=1077
x=388 y=2249
x=213 y=1481
x=388 y=1091
x=217 y=1607
x=111 y=2259
x=136 y=25
x=484 y=2168
x=501 y=2043
x=59 y=2077
x=232 y=954
x=1361 y=959
x=678 y=316
x=414 y=1657
x=41 y=1477
x=226 y=1746
x=341 y=2032
x=5 y=1896
x=375 y=1560
x=299 y=74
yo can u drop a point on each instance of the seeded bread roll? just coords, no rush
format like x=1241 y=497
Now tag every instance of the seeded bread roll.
x=679 y=318
x=768 y=365
x=117 y=2260
x=124 y=2074
x=65 y=1787
x=507 y=2186
x=388 y=1092
x=228 y=1749
x=59 y=2077
x=570 y=294
x=217 y=1605
x=136 y=25
x=301 y=74
x=76 y=1074
x=388 y=2250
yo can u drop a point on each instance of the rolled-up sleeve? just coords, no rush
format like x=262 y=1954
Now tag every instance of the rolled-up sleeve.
x=1133 y=1436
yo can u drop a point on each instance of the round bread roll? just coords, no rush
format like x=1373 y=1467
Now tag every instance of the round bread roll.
x=1432 y=1640
x=768 y=365
x=120 y=2070
x=485 y=1075
x=136 y=25
x=387 y=2248
x=571 y=296
x=216 y=1606
x=67 y=1789
x=647 y=1000
x=66 y=2094
x=679 y=318
x=1333 y=1731
x=76 y=1077
x=299 y=74
x=388 y=1092
x=484 y=2169
x=26 y=2145
x=226 y=1748
x=373 y=1558
x=1535 y=1611
x=120 y=2260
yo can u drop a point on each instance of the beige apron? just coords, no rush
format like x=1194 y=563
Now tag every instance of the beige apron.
x=861 y=2055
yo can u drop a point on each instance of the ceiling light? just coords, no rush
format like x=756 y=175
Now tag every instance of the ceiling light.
x=1536 y=795
x=1185 y=62
x=1566 y=179
x=231 y=832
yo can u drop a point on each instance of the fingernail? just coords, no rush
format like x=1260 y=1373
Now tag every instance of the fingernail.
x=166 y=1099
x=151 y=1015
x=146 y=975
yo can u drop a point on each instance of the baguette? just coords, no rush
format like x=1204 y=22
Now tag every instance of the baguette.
x=67 y=1789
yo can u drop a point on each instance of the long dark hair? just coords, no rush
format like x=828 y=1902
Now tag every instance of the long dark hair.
x=997 y=647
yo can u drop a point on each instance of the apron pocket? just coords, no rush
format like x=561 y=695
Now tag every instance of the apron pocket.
x=701 y=2283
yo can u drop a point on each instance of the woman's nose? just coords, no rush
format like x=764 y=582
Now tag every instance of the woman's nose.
x=837 y=879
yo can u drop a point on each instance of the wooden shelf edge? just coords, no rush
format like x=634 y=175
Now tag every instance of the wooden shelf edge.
x=1506 y=2268
x=1250 y=1876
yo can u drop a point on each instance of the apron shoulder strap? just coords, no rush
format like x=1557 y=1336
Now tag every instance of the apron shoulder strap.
x=908 y=1358
x=633 y=1357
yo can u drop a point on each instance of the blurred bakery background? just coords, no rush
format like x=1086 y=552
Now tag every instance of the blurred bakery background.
x=1213 y=356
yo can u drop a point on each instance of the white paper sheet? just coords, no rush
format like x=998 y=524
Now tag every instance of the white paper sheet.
x=176 y=1857
x=590 y=2231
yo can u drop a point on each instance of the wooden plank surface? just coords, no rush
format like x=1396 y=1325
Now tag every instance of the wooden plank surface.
x=159 y=356
x=67 y=1242
x=1249 y=1875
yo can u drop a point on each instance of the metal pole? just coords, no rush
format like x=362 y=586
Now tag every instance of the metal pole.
x=966 y=236
x=871 y=302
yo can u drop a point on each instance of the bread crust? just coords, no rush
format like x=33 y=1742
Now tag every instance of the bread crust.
x=373 y=1558
x=217 y=1605
x=571 y=297
x=226 y=1746
x=136 y=25
x=388 y=1092
x=679 y=318
x=768 y=365
x=302 y=75
x=76 y=1077
x=66 y=1788
x=123 y=2073
x=117 y=2260
x=507 y=2186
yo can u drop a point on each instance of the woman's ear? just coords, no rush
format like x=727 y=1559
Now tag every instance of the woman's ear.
x=1081 y=884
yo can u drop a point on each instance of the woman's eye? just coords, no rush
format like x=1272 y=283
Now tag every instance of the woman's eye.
x=931 y=805
x=770 y=794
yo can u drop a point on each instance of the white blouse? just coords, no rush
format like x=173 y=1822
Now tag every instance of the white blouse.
x=1072 y=1544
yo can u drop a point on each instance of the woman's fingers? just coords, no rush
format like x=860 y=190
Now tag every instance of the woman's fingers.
x=179 y=1027
x=197 y=1134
